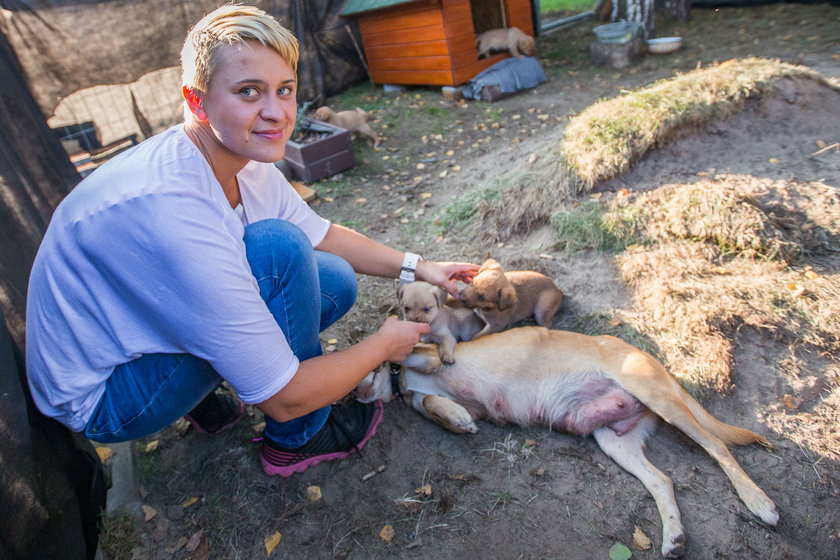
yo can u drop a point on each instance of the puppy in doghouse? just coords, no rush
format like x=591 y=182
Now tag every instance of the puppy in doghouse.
x=354 y=120
x=502 y=298
x=450 y=322
x=511 y=39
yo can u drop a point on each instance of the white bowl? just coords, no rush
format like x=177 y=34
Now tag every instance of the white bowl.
x=664 y=45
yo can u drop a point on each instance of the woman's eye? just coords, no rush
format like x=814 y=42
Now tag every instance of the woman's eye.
x=285 y=91
x=248 y=91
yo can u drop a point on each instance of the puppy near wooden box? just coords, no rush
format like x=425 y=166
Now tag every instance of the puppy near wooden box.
x=579 y=384
x=354 y=120
x=511 y=39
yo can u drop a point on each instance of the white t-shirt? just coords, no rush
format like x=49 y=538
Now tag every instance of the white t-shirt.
x=147 y=256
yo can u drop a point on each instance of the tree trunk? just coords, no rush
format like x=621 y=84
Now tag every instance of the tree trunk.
x=676 y=10
x=640 y=11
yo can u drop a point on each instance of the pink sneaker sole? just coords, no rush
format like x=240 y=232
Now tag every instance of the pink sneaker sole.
x=287 y=471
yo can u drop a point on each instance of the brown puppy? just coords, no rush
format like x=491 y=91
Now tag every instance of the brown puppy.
x=449 y=321
x=502 y=298
x=511 y=39
x=355 y=121
x=580 y=384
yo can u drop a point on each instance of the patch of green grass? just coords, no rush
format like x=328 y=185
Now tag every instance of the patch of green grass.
x=591 y=227
x=547 y=6
x=460 y=214
x=118 y=534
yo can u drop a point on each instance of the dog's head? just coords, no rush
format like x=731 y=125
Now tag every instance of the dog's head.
x=376 y=385
x=324 y=113
x=420 y=301
x=527 y=45
x=490 y=289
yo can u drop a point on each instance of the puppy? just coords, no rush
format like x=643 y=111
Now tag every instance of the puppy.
x=355 y=121
x=502 y=298
x=575 y=383
x=449 y=321
x=511 y=39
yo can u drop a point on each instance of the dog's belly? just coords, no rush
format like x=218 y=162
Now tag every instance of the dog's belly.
x=596 y=403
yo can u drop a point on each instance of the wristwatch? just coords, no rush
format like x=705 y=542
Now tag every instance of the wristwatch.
x=409 y=268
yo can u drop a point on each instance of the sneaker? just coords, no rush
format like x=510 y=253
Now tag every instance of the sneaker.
x=347 y=429
x=216 y=413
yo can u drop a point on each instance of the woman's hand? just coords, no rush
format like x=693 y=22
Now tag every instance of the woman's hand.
x=444 y=274
x=400 y=337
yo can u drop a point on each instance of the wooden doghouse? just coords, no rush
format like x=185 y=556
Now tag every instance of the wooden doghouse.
x=432 y=42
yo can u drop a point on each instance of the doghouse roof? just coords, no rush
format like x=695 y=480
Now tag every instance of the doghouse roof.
x=358 y=6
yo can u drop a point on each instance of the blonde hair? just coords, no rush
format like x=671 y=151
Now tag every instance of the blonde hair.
x=227 y=25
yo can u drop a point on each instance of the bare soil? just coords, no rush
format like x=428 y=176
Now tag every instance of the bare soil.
x=512 y=492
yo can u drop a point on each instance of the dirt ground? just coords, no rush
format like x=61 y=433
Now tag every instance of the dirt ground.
x=510 y=492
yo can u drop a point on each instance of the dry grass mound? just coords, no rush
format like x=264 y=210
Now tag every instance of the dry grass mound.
x=604 y=140
x=712 y=259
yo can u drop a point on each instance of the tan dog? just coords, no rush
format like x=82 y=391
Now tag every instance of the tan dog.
x=580 y=384
x=355 y=121
x=511 y=39
x=449 y=321
x=502 y=298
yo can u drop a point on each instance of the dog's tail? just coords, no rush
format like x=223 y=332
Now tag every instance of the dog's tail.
x=729 y=434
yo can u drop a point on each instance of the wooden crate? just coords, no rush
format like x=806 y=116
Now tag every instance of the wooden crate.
x=322 y=158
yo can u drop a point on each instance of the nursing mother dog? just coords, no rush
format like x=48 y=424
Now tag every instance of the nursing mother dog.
x=189 y=260
x=579 y=384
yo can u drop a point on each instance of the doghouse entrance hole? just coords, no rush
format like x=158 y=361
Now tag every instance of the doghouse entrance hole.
x=487 y=15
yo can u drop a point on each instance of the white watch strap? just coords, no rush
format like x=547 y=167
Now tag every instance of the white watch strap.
x=409 y=267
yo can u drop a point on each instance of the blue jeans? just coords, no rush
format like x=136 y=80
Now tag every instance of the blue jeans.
x=305 y=290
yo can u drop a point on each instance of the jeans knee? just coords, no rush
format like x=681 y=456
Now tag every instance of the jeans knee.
x=281 y=242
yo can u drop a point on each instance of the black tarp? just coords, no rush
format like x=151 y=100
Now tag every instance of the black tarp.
x=68 y=45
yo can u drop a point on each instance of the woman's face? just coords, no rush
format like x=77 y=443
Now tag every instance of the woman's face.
x=250 y=102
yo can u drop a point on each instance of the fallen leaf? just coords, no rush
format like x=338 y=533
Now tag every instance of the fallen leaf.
x=702 y=173
x=426 y=195
x=361 y=200
x=640 y=539
x=387 y=533
x=821 y=144
x=104 y=453
x=332 y=341
x=719 y=270
x=203 y=550
x=791 y=402
x=271 y=542
x=619 y=551
x=189 y=502
x=148 y=512
x=152 y=445
x=176 y=546
x=614 y=322
x=532 y=158
x=421 y=166
x=773 y=160
x=258 y=427
x=313 y=493
x=796 y=290
x=194 y=541
x=543 y=117
x=425 y=490
x=811 y=274
x=443 y=173
x=623 y=191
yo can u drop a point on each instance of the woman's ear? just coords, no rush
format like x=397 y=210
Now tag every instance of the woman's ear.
x=193 y=99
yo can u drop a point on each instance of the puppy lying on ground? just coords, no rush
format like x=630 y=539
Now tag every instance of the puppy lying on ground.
x=355 y=121
x=579 y=384
x=449 y=321
x=511 y=39
x=502 y=298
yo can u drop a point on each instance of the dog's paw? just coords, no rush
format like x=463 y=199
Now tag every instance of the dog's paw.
x=447 y=358
x=449 y=414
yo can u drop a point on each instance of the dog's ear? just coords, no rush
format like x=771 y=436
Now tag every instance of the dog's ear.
x=489 y=264
x=399 y=292
x=507 y=298
x=440 y=296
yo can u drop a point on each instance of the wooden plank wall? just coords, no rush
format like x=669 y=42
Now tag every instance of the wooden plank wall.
x=431 y=42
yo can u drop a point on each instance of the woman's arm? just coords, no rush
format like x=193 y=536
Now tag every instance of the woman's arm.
x=367 y=256
x=325 y=379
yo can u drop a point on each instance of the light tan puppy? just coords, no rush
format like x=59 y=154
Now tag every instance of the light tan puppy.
x=449 y=321
x=355 y=120
x=502 y=298
x=511 y=39
x=580 y=384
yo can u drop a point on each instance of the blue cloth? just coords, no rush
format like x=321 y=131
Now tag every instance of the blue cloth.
x=511 y=75
x=305 y=290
